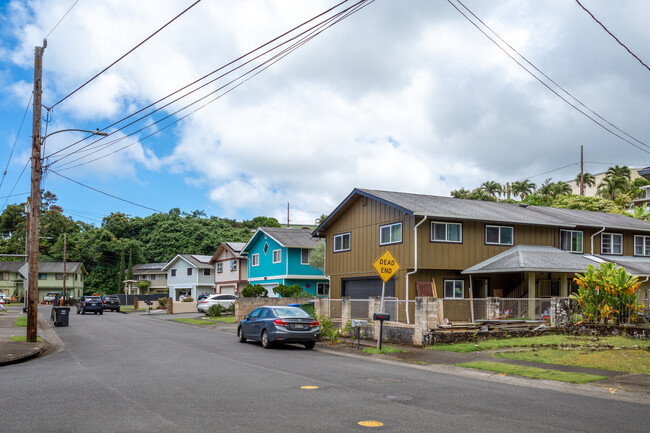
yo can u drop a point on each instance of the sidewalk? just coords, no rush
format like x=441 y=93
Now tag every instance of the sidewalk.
x=12 y=352
x=420 y=356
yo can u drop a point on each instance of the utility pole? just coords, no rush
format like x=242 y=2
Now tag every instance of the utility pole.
x=64 y=263
x=26 y=283
x=35 y=197
x=582 y=173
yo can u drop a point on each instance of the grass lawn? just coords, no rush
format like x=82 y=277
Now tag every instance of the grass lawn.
x=21 y=322
x=130 y=308
x=384 y=349
x=22 y=338
x=207 y=321
x=629 y=361
x=492 y=343
x=532 y=372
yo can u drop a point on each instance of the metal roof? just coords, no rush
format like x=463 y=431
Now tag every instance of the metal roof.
x=288 y=238
x=532 y=258
x=506 y=213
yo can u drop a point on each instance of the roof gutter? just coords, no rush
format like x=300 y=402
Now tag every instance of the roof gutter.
x=415 y=269
x=592 y=239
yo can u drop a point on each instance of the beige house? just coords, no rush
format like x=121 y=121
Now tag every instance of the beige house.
x=150 y=272
x=11 y=282
x=591 y=191
x=230 y=268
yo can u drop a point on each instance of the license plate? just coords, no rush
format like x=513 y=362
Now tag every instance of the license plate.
x=299 y=326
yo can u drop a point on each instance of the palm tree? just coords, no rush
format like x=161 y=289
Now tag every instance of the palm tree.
x=588 y=179
x=619 y=171
x=561 y=188
x=492 y=188
x=546 y=189
x=611 y=185
x=523 y=188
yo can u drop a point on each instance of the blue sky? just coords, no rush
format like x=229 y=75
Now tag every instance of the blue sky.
x=404 y=96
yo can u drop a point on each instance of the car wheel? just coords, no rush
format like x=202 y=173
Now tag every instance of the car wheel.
x=118 y=310
x=101 y=313
x=266 y=342
x=83 y=312
x=240 y=334
x=78 y=311
x=310 y=345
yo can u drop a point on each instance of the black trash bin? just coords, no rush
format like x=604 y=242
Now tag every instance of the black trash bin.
x=61 y=315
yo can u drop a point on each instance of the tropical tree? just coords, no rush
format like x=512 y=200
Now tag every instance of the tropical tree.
x=588 y=179
x=492 y=188
x=610 y=186
x=639 y=212
x=546 y=189
x=523 y=188
x=619 y=171
x=561 y=188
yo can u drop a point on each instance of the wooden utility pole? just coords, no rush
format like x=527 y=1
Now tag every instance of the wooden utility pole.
x=35 y=198
x=65 y=277
x=582 y=173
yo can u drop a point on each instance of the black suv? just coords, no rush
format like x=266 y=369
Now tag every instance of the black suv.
x=91 y=304
x=111 y=302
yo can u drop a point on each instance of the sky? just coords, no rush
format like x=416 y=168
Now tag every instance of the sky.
x=402 y=96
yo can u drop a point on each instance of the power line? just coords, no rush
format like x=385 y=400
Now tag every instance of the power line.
x=127 y=53
x=612 y=35
x=555 y=169
x=20 y=128
x=105 y=193
x=546 y=85
x=302 y=37
x=549 y=78
x=14 y=187
x=65 y=15
x=203 y=78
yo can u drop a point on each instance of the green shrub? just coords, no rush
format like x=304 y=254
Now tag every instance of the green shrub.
x=162 y=302
x=328 y=330
x=294 y=291
x=254 y=291
x=188 y=299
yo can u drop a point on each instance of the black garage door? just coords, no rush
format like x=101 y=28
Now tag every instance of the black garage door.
x=364 y=288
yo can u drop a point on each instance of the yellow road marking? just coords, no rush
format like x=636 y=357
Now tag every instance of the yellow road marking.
x=370 y=423
x=309 y=387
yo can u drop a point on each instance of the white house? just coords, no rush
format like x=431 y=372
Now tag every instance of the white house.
x=230 y=268
x=189 y=273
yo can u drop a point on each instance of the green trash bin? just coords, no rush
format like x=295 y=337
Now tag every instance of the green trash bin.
x=308 y=307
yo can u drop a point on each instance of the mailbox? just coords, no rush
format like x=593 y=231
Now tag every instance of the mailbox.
x=381 y=316
x=358 y=323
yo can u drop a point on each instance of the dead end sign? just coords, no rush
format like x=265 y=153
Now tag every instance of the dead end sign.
x=386 y=266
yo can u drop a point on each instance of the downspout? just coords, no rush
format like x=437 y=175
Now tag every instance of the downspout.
x=592 y=239
x=415 y=268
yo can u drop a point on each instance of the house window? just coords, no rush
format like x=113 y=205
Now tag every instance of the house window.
x=42 y=276
x=189 y=271
x=571 y=240
x=304 y=256
x=446 y=232
x=153 y=277
x=173 y=272
x=165 y=276
x=266 y=248
x=206 y=272
x=322 y=289
x=611 y=243
x=4 y=276
x=277 y=256
x=342 y=242
x=233 y=265
x=255 y=260
x=219 y=267
x=498 y=235
x=454 y=288
x=642 y=245
x=58 y=276
x=390 y=234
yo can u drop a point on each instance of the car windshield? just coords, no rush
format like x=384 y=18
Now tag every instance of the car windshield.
x=92 y=298
x=291 y=312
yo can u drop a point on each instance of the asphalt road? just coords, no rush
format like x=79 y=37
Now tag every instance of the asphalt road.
x=133 y=373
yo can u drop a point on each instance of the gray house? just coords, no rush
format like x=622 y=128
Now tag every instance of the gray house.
x=189 y=273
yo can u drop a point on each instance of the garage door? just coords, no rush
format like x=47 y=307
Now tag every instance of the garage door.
x=364 y=288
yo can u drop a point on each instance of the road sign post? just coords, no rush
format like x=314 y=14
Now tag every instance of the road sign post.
x=386 y=266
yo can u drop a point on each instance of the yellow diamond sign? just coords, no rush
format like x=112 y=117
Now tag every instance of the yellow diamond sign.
x=386 y=266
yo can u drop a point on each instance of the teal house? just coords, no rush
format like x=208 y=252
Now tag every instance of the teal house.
x=281 y=256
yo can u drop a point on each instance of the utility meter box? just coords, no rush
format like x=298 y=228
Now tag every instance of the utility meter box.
x=358 y=323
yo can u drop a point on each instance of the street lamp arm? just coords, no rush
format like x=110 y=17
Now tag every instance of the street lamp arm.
x=96 y=132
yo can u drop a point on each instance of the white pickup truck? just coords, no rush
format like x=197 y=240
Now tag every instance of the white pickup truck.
x=49 y=297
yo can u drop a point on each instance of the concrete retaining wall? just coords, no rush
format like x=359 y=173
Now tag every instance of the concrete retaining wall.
x=176 y=307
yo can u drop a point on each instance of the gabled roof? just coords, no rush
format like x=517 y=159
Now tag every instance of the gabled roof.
x=505 y=213
x=55 y=268
x=195 y=260
x=532 y=258
x=235 y=249
x=148 y=267
x=11 y=266
x=288 y=238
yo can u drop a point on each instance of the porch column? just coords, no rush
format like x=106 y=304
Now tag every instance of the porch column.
x=564 y=286
x=531 y=295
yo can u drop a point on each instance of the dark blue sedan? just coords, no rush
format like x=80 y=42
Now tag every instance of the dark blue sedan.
x=279 y=324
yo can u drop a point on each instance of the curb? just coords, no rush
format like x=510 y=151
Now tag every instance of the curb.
x=26 y=356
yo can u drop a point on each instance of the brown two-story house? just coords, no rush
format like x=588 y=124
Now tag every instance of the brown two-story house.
x=467 y=248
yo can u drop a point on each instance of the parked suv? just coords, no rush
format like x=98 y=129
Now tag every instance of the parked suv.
x=111 y=302
x=91 y=304
x=221 y=299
